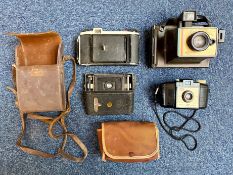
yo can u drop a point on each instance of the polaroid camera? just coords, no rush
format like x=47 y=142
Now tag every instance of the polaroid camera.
x=187 y=41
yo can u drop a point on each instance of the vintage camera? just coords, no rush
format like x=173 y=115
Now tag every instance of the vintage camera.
x=109 y=94
x=100 y=47
x=188 y=41
x=183 y=94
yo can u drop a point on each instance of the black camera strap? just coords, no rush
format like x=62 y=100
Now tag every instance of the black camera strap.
x=177 y=128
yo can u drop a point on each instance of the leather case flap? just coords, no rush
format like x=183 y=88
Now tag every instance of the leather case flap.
x=40 y=88
x=39 y=72
x=129 y=140
x=38 y=49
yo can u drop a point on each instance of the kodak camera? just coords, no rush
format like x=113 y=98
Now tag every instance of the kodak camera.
x=187 y=41
x=109 y=94
x=183 y=94
x=100 y=47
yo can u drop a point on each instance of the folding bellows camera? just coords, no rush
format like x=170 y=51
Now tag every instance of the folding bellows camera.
x=98 y=47
x=106 y=94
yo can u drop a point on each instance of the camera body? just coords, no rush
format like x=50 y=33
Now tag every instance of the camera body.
x=185 y=94
x=109 y=94
x=187 y=41
x=100 y=47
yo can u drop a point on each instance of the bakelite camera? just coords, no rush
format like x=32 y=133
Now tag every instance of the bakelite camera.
x=185 y=94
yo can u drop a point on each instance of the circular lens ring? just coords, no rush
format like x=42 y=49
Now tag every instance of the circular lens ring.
x=187 y=96
x=108 y=85
x=205 y=36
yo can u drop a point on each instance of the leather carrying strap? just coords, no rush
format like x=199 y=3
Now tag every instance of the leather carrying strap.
x=51 y=121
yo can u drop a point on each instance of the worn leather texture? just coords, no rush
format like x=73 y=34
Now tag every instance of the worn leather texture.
x=40 y=73
x=40 y=88
x=129 y=141
x=38 y=49
x=38 y=76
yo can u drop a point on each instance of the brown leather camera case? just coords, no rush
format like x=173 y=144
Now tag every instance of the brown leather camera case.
x=38 y=75
x=129 y=141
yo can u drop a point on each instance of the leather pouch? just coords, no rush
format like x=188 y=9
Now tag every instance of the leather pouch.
x=38 y=75
x=128 y=141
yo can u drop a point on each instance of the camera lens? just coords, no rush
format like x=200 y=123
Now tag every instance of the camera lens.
x=187 y=96
x=200 y=41
x=108 y=85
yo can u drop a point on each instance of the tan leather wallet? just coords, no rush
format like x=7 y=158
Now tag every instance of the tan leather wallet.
x=129 y=141
x=38 y=76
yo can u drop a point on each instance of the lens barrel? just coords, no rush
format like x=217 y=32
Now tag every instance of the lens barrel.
x=187 y=96
x=200 y=41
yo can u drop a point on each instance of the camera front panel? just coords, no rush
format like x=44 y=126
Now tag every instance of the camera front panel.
x=187 y=96
x=197 y=42
x=111 y=103
x=109 y=48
